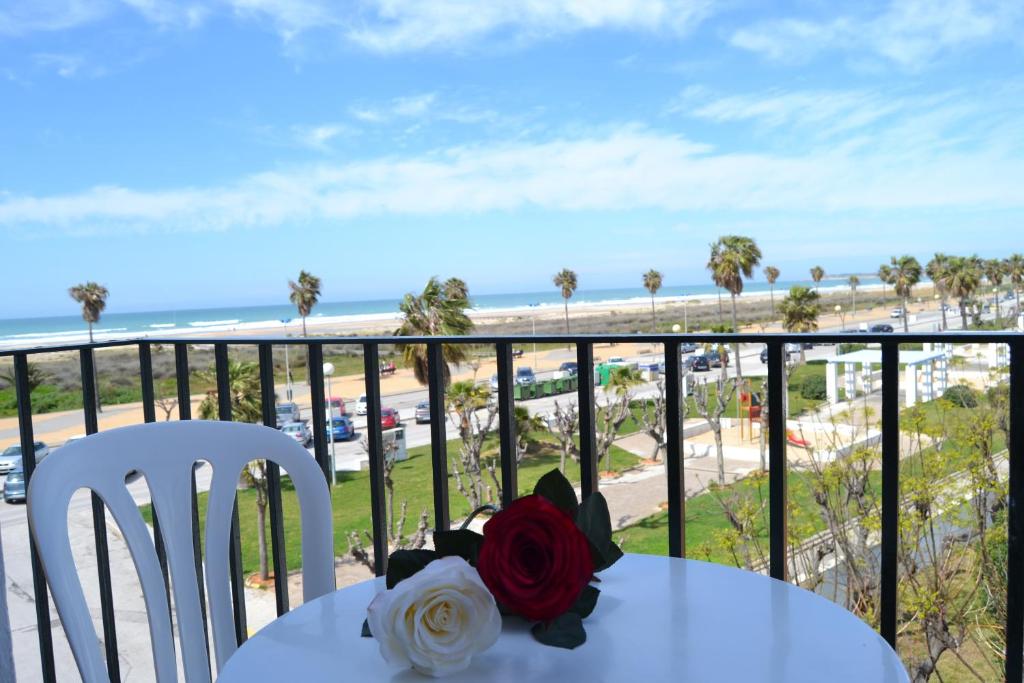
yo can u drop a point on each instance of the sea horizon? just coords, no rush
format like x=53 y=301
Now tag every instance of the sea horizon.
x=113 y=324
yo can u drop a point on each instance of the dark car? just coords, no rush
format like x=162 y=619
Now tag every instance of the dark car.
x=698 y=364
x=14 y=486
x=716 y=359
x=881 y=327
x=286 y=412
x=342 y=428
x=571 y=368
x=422 y=412
x=687 y=347
x=525 y=376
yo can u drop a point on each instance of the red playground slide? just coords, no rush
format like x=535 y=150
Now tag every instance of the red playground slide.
x=793 y=441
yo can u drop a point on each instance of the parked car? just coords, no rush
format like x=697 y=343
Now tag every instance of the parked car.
x=422 y=412
x=896 y=312
x=518 y=353
x=342 y=428
x=335 y=406
x=286 y=413
x=389 y=418
x=716 y=359
x=525 y=376
x=298 y=431
x=687 y=347
x=10 y=459
x=14 y=486
x=791 y=350
x=698 y=363
x=880 y=328
x=571 y=368
x=361 y=405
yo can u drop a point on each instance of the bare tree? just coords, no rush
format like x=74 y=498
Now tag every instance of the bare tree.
x=653 y=416
x=711 y=399
x=166 y=404
x=614 y=411
x=394 y=526
x=565 y=425
x=475 y=413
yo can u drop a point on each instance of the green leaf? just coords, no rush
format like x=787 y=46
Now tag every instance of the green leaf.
x=461 y=542
x=587 y=601
x=557 y=489
x=595 y=522
x=404 y=563
x=365 y=633
x=565 y=631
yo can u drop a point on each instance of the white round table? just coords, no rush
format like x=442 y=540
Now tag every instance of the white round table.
x=658 y=619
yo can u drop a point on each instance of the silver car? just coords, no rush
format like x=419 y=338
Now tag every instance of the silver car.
x=10 y=459
x=298 y=431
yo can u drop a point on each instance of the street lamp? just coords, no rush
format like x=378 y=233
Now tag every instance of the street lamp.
x=842 y=318
x=287 y=365
x=675 y=328
x=328 y=371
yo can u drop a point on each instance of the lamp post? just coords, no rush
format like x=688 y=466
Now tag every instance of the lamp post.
x=686 y=310
x=287 y=365
x=328 y=371
x=842 y=318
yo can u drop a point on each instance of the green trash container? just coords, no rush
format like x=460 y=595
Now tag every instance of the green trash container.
x=560 y=385
x=548 y=388
x=530 y=391
x=517 y=392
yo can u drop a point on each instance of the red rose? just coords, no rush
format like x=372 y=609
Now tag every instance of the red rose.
x=534 y=559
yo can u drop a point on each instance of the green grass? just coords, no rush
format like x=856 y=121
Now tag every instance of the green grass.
x=350 y=499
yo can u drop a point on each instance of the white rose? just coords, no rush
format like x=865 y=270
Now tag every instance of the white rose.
x=437 y=619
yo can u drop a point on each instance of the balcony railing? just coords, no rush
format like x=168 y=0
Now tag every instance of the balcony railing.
x=673 y=377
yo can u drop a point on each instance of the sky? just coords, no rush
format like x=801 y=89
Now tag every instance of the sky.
x=200 y=153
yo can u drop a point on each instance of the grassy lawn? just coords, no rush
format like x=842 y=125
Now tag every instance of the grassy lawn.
x=350 y=499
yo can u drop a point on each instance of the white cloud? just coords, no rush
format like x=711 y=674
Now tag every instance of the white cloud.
x=908 y=33
x=49 y=15
x=65 y=66
x=319 y=137
x=628 y=168
x=170 y=12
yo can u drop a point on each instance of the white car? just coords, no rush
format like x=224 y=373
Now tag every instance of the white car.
x=361 y=405
x=298 y=431
x=896 y=313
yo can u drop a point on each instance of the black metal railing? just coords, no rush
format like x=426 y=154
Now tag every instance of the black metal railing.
x=776 y=357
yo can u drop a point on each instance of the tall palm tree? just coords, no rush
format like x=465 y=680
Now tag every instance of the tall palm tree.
x=565 y=280
x=936 y=270
x=817 y=274
x=854 y=283
x=771 y=274
x=885 y=275
x=733 y=258
x=800 y=311
x=1015 y=274
x=305 y=294
x=995 y=271
x=93 y=298
x=439 y=310
x=963 y=277
x=906 y=272
x=652 y=283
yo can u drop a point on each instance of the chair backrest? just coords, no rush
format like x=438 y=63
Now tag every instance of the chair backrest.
x=165 y=454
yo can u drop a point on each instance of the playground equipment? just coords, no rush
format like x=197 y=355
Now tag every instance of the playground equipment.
x=792 y=440
x=748 y=408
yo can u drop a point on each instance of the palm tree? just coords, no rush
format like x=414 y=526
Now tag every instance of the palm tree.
x=565 y=280
x=305 y=294
x=800 y=311
x=93 y=298
x=885 y=275
x=906 y=272
x=817 y=274
x=1015 y=273
x=936 y=270
x=439 y=310
x=35 y=376
x=854 y=283
x=961 y=281
x=771 y=274
x=994 y=273
x=652 y=282
x=733 y=257
x=527 y=425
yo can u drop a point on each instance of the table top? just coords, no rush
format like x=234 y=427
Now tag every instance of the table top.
x=658 y=619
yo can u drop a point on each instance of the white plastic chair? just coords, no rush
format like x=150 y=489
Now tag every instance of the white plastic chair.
x=165 y=454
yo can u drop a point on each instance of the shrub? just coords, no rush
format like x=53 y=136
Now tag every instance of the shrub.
x=814 y=388
x=961 y=396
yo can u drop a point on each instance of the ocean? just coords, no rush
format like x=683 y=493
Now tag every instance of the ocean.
x=114 y=324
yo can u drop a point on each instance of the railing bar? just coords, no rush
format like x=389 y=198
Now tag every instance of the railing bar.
x=375 y=443
x=99 y=521
x=778 y=468
x=28 y=458
x=438 y=436
x=588 y=421
x=225 y=414
x=674 y=468
x=149 y=416
x=315 y=370
x=280 y=562
x=1015 y=520
x=507 y=426
x=890 y=488
x=181 y=377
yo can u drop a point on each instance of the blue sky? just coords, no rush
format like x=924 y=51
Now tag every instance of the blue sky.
x=199 y=153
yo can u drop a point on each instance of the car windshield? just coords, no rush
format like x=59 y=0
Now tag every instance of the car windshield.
x=292 y=428
x=12 y=450
x=524 y=371
x=423 y=404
